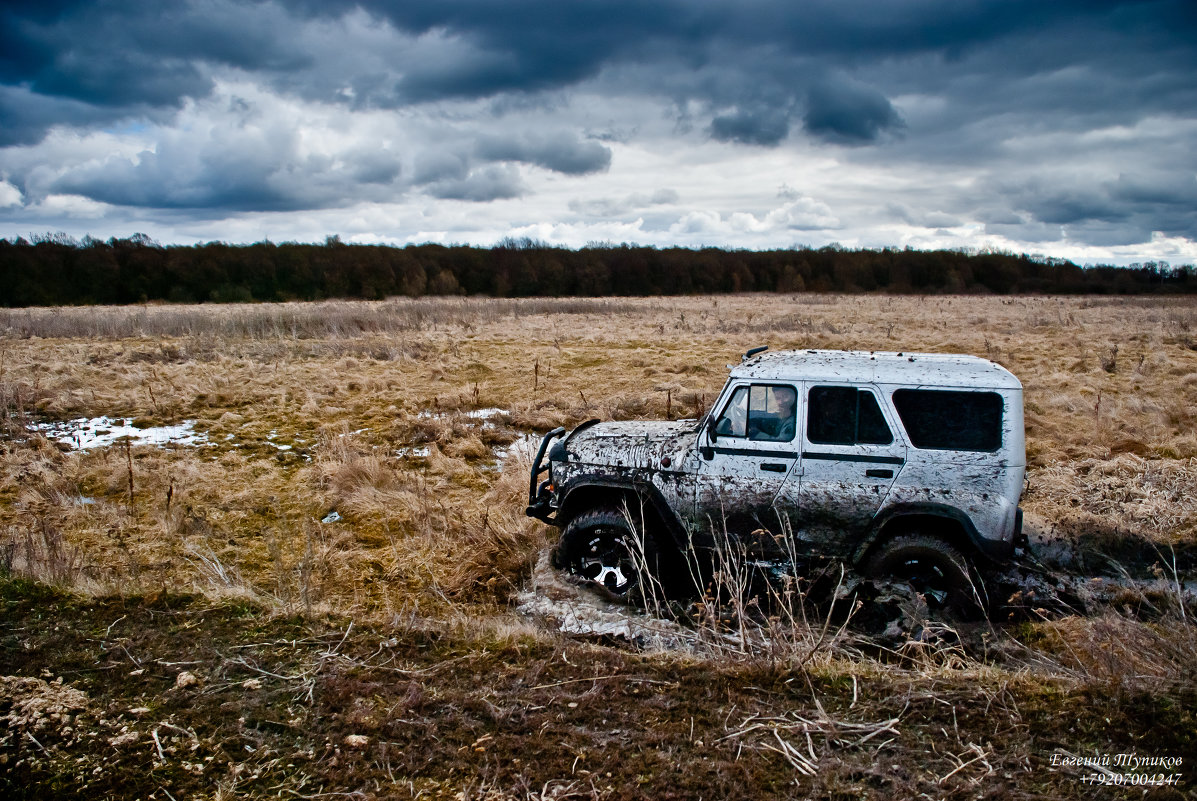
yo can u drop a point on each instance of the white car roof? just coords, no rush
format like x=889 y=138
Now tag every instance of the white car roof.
x=878 y=367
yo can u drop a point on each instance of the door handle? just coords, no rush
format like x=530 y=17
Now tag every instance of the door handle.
x=879 y=473
x=774 y=467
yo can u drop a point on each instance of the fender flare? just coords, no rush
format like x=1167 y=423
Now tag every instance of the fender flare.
x=644 y=490
x=990 y=550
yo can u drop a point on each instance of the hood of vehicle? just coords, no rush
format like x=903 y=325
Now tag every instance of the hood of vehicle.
x=655 y=444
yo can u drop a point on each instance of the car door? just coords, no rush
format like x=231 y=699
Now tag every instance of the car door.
x=850 y=458
x=748 y=454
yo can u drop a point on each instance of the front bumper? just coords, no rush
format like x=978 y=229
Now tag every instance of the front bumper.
x=540 y=496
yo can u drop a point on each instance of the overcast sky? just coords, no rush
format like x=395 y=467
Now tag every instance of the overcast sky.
x=1057 y=127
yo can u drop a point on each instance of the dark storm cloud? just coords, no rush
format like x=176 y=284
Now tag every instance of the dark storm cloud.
x=264 y=170
x=441 y=166
x=374 y=167
x=120 y=53
x=758 y=126
x=25 y=116
x=116 y=53
x=560 y=152
x=522 y=45
x=1174 y=189
x=842 y=111
x=1117 y=212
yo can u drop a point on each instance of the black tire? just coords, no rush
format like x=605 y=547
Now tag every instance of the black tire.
x=601 y=546
x=934 y=569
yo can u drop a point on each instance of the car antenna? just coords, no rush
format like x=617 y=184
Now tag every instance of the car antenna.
x=749 y=354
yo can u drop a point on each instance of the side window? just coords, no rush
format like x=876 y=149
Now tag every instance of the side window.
x=940 y=419
x=761 y=412
x=845 y=416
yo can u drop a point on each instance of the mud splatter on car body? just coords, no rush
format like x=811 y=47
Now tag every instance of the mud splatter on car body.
x=814 y=453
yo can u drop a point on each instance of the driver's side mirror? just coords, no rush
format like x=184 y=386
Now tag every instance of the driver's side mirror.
x=712 y=431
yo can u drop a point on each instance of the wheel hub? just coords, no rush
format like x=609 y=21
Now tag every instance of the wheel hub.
x=608 y=563
x=927 y=579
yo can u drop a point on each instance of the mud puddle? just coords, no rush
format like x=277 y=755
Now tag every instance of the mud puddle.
x=1059 y=576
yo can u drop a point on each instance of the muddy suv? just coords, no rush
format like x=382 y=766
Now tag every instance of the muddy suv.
x=903 y=465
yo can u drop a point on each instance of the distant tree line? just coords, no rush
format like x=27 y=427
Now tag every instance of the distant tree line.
x=55 y=269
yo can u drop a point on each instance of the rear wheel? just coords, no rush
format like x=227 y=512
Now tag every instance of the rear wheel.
x=932 y=568
x=602 y=547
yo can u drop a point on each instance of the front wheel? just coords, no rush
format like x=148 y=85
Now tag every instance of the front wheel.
x=602 y=547
x=932 y=568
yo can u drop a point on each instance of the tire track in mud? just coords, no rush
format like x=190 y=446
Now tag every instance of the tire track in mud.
x=1094 y=572
x=576 y=607
x=1056 y=576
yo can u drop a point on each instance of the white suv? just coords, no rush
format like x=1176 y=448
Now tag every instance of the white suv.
x=907 y=465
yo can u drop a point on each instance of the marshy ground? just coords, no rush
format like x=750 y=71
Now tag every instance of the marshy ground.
x=307 y=571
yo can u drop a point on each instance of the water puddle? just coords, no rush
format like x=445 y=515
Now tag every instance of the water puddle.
x=86 y=434
x=486 y=414
x=517 y=453
x=488 y=417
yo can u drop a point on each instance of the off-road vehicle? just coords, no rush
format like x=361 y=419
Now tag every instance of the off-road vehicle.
x=903 y=465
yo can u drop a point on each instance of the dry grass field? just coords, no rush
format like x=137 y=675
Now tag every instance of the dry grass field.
x=317 y=594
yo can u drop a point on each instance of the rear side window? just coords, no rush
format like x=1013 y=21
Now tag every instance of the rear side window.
x=845 y=416
x=939 y=419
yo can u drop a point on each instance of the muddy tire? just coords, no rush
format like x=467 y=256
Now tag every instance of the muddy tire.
x=602 y=547
x=934 y=569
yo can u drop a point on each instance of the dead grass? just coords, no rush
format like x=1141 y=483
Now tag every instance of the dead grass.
x=1156 y=496
x=363 y=409
x=1120 y=653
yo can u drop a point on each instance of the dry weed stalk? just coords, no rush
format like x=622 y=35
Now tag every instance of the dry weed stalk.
x=765 y=733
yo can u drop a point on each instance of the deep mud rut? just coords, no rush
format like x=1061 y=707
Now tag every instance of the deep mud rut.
x=1095 y=573
x=573 y=606
x=1057 y=575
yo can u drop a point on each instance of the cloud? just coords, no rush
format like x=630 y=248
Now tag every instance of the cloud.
x=759 y=126
x=1121 y=210
x=621 y=207
x=26 y=116
x=71 y=207
x=1165 y=188
x=9 y=195
x=926 y=218
x=1021 y=121
x=561 y=152
x=437 y=166
x=845 y=112
x=804 y=214
x=1026 y=231
x=496 y=182
x=240 y=151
